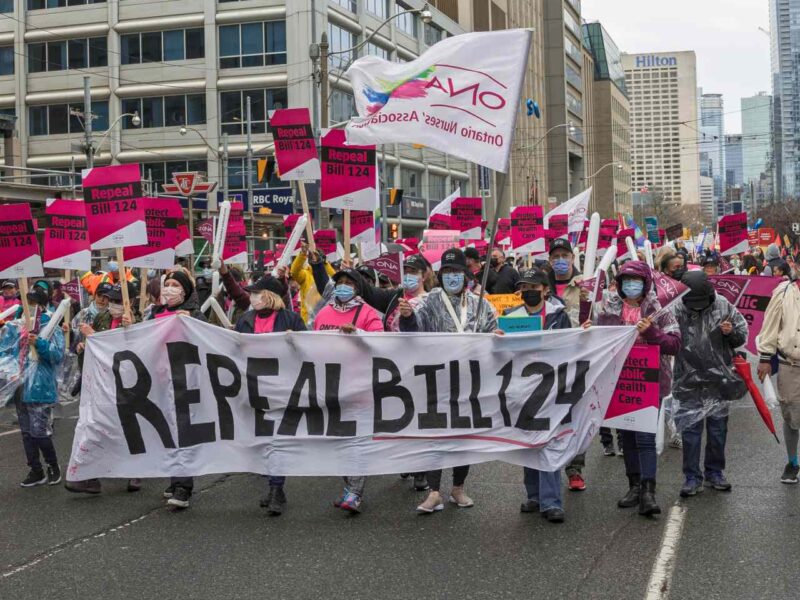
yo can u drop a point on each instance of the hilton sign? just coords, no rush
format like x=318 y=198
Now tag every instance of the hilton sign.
x=652 y=60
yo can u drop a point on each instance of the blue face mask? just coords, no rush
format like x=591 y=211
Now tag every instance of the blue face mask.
x=151 y=274
x=632 y=288
x=343 y=293
x=452 y=283
x=411 y=282
x=561 y=266
x=113 y=267
x=207 y=273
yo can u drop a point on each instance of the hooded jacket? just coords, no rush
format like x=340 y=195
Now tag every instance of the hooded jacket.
x=190 y=304
x=285 y=320
x=431 y=314
x=703 y=369
x=773 y=258
x=555 y=315
x=664 y=332
x=572 y=294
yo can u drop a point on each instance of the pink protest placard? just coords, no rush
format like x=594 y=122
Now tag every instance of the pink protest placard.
x=295 y=149
x=66 y=237
x=667 y=289
x=349 y=174
x=466 y=215
x=622 y=246
x=268 y=258
x=161 y=216
x=634 y=405
x=527 y=229
x=733 y=234
x=606 y=238
x=439 y=222
x=325 y=239
x=503 y=237
x=362 y=226
x=559 y=225
x=435 y=242
x=113 y=212
x=750 y=295
x=19 y=247
x=234 y=251
x=183 y=243
x=206 y=230
x=390 y=265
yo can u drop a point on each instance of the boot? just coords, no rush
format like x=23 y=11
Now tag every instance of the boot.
x=647 y=499
x=631 y=499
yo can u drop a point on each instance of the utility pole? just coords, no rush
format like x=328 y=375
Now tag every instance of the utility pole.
x=249 y=175
x=224 y=166
x=88 y=143
x=324 y=120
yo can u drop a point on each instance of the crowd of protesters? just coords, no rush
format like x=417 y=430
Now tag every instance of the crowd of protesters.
x=698 y=336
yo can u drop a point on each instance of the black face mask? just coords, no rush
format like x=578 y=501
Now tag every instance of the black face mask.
x=697 y=303
x=678 y=274
x=532 y=297
x=494 y=262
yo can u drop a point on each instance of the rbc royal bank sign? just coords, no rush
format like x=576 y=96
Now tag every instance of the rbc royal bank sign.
x=645 y=61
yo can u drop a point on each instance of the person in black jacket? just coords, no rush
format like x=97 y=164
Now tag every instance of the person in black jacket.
x=270 y=315
x=503 y=277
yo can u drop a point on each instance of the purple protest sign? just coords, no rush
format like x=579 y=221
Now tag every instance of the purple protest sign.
x=390 y=265
x=752 y=295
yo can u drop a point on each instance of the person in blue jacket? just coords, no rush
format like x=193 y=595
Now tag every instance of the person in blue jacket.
x=38 y=392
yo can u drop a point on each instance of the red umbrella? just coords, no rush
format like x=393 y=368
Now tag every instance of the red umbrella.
x=743 y=369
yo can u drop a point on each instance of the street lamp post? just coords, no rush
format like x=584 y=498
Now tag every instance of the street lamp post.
x=571 y=128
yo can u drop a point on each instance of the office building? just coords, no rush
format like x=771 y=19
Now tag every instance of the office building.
x=711 y=145
x=708 y=204
x=611 y=186
x=758 y=169
x=785 y=58
x=734 y=169
x=662 y=88
x=193 y=64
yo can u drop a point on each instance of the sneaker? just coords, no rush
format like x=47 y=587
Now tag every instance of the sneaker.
x=459 y=498
x=609 y=451
x=134 y=485
x=433 y=503
x=529 y=506
x=790 y=473
x=421 y=483
x=619 y=451
x=53 y=475
x=718 y=482
x=89 y=486
x=180 y=498
x=576 y=482
x=169 y=491
x=676 y=442
x=277 y=502
x=405 y=475
x=34 y=478
x=554 y=515
x=691 y=488
x=351 y=503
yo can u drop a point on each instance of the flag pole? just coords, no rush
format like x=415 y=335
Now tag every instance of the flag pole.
x=500 y=180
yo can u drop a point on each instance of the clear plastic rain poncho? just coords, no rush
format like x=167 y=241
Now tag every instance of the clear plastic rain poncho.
x=432 y=313
x=704 y=380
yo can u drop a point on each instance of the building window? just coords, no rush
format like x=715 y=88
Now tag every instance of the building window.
x=252 y=45
x=161 y=172
x=78 y=53
x=348 y=4
x=433 y=34
x=6 y=60
x=377 y=8
x=373 y=50
x=340 y=40
x=6 y=6
x=166 y=111
x=40 y=4
x=233 y=109
x=159 y=46
x=437 y=187
x=343 y=106
x=407 y=23
x=54 y=119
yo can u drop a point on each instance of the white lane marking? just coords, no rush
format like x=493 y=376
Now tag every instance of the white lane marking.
x=661 y=576
x=9 y=432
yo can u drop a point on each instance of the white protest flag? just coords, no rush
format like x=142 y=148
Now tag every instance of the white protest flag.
x=444 y=207
x=460 y=97
x=180 y=397
x=577 y=208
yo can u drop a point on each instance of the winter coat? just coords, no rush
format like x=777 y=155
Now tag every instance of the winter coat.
x=571 y=297
x=555 y=315
x=703 y=368
x=505 y=281
x=285 y=320
x=190 y=305
x=6 y=303
x=309 y=293
x=40 y=384
x=664 y=332
x=431 y=314
x=362 y=316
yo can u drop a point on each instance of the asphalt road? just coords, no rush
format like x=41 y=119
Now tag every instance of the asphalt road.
x=738 y=545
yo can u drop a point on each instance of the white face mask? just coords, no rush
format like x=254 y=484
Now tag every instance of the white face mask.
x=115 y=310
x=172 y=296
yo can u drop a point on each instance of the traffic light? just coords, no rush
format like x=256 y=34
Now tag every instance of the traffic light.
x=395 y=196
x=261 y=167
x=393 y=231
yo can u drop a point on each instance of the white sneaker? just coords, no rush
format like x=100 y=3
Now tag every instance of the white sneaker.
x=433 y=503
x=457 y=496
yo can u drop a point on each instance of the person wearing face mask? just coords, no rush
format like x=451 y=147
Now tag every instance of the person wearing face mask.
x=413 y=288
x=10 y=295
x=543 y=488
x=710 y=265
x=564 y=278
x=178 y=297
x=673 y=266
x=503 y=277
x=705 y=380
x=451 y=308
x=270 y=315
x=348 y=313
x=635 y=303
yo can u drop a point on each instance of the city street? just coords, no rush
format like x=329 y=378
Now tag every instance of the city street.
x=739 y=545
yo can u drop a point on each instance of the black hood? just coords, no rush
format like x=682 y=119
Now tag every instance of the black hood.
x=701 y=293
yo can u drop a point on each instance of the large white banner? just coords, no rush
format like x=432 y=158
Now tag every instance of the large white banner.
x=177 y=397
x=460 y=97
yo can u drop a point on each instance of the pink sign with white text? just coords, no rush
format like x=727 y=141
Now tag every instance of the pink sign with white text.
x=634 y=405
x=19 y=247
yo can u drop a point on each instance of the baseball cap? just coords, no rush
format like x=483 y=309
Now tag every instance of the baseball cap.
x=533 y=277
x=454 y=259
x=559 y=244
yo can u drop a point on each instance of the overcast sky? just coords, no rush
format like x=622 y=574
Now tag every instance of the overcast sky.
x=732 y=54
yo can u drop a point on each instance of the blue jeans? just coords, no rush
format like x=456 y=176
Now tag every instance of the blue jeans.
x=639 y=451
x=543 y=487
x=276 y=481
x=716 y=435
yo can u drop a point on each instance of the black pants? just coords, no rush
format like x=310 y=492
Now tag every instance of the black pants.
x=459 y=477
x=36 y=432
x=607 y=438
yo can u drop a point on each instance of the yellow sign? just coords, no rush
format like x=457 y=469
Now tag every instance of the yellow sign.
x=503 y=301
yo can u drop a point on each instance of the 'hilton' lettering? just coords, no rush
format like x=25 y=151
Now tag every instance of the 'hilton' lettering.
x=652 y=60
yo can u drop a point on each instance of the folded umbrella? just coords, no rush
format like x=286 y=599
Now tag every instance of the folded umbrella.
x=743 y=369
